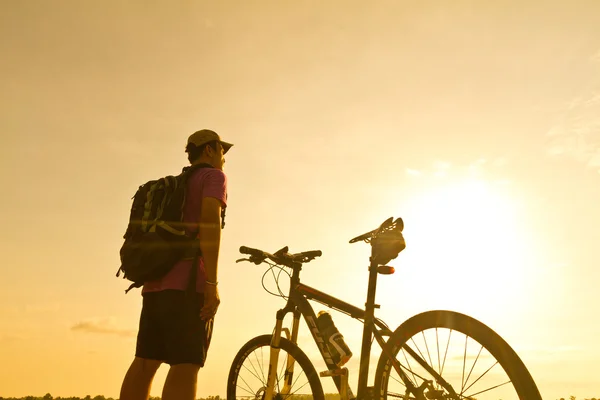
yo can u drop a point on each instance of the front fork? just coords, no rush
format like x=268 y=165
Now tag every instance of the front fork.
x=274 y=356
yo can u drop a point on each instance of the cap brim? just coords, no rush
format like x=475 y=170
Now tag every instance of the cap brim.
x=226 y=146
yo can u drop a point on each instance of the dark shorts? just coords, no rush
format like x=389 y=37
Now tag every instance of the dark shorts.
x=171 y=329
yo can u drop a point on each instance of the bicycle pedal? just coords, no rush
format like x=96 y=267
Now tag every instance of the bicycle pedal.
x=334 y=372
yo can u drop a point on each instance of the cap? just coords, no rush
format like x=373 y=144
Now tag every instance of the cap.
x=204 y=136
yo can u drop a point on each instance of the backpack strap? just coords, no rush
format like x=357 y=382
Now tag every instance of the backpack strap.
x=191 y=287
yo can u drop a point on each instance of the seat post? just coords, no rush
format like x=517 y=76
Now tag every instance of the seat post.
x=365 y=353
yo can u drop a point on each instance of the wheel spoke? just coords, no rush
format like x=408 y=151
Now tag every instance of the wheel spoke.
x=418 y=349
x=482 y=375
x=246 y=390
x=446 y=353
x=292 y=384
x=398 y=380
x=249 y=390
x=462 y=387
x=471 y=371
x=414 y=374
x=296 y=380
x=427 y=348
x=492 y=388
x=409 y=368
x=422 y=358
x=261 y=366
x=254 y=373
x=296 y=391
x=437 y=342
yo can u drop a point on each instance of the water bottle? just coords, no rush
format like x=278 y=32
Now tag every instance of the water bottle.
x=333 y=338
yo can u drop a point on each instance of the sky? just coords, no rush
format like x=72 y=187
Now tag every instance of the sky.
x=476 y=122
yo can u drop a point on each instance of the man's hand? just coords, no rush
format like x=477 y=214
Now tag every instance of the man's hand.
x=211 y=302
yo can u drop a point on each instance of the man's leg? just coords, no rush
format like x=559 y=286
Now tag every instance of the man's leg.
x=149 y=350
x=187 y=341
x=181 y=382
x=138 y=380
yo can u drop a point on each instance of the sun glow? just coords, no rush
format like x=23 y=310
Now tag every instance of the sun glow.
x=465 y=247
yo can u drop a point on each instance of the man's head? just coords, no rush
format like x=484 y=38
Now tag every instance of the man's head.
x=205 y=146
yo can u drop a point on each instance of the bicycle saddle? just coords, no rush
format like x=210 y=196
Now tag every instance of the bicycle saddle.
x=387 y=225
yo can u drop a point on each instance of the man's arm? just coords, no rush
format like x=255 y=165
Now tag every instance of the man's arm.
x=210 y=243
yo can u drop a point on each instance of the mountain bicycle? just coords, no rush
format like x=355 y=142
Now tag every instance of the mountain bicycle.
x=433 y=355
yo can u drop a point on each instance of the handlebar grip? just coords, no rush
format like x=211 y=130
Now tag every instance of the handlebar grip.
x=251 y=251
x=312 y=253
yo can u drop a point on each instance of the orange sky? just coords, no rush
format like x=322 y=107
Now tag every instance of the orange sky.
x=478 y=123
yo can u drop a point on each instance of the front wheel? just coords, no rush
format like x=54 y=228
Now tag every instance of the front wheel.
x=249 y=371
x=460 y=358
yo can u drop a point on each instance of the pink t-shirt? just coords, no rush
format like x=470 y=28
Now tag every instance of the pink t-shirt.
x=205 y=182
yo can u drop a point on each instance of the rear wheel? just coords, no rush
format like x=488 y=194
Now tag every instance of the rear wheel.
x=464 y=359
x=249 y=370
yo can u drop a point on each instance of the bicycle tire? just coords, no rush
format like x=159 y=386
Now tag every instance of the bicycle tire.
x=519 y=377
x=264 y=341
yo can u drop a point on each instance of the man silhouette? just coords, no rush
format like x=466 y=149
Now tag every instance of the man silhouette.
x=173 y=329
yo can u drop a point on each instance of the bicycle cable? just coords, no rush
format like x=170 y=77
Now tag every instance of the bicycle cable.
x=281 y=294
x=276 y=278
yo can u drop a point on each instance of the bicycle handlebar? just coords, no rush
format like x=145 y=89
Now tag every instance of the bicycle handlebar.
x=281 y=257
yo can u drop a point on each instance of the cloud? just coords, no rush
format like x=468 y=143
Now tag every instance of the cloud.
x=594 y=99
x=413 y=172
x=488 y=169
x=577 y=136
x=441 y=169
x=102 y=326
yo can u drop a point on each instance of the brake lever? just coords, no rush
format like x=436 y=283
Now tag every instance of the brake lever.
x=256 y=261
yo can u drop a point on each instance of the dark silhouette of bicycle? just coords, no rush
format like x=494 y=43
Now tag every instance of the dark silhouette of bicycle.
x=432 y=355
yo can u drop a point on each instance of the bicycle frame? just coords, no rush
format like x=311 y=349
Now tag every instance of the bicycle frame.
x=298 y=304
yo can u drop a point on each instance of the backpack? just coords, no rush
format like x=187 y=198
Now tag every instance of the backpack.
x=156 y=237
